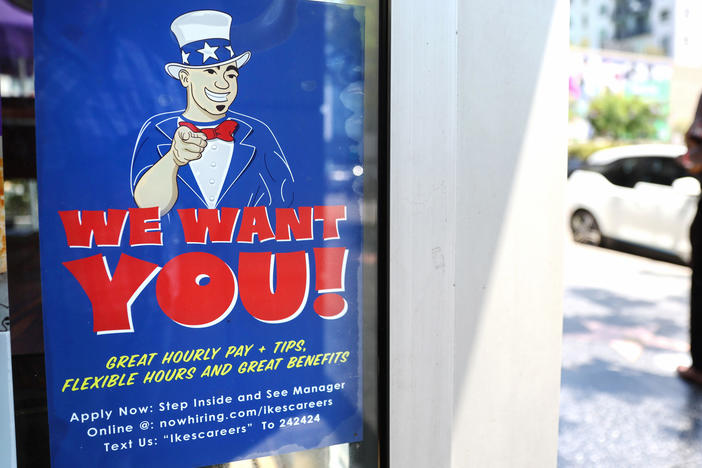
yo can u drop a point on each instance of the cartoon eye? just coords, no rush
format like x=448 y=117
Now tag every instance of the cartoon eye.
x=232 y=76
x=210 y=71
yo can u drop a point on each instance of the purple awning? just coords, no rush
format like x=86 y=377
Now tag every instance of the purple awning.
x=16 y=40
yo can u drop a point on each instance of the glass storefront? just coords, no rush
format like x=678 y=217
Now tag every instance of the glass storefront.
x=212 y=368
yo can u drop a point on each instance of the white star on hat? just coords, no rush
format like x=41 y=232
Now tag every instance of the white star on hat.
x=208 y=52
x=231 y=51
x=185 y=56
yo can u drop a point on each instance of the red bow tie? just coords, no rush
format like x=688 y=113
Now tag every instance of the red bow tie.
x=224 y=131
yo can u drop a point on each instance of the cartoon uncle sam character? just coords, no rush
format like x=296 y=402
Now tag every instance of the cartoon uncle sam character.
x=208 y=156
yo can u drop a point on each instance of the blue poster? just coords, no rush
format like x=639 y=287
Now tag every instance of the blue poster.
x=200 y=185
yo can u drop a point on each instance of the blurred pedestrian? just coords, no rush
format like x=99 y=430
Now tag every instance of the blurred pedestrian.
x=692 y=161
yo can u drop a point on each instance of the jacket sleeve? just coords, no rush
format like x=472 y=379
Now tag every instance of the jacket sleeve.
x=275 y=173
x=145 y=155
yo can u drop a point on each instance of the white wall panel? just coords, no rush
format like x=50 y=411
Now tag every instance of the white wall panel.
x=422 y=224
x=478 y=163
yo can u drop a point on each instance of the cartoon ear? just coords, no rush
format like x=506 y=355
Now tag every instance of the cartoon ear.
x=184 y=77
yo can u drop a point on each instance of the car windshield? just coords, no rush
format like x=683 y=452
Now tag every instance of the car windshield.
x=627 y=172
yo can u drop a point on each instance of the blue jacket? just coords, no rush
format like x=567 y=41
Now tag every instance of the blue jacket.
x=258 y=174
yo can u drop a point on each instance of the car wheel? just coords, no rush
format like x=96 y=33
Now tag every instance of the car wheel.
x=585 y=229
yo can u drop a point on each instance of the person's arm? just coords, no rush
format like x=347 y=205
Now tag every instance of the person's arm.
x=159 y=185
x=698 y=112
x=692 y=160
x=279 y=180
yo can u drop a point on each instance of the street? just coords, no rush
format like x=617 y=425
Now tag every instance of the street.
x=624 y=333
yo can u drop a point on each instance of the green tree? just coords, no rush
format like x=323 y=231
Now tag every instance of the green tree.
x=622 y=117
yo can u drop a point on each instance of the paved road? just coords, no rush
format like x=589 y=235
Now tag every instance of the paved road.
x=625 y=332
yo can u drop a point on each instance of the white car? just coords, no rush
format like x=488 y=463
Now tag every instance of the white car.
x=637 y=194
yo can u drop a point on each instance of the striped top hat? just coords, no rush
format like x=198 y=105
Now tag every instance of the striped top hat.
x=203 y=37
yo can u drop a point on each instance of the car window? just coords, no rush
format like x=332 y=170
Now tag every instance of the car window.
x=659 y=170
x=672 y=170
x=622 y=172
x=626 y=172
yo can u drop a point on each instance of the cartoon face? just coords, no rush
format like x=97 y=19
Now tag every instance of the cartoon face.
x=212 y=90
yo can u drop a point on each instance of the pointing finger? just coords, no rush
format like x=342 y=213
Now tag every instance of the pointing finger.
x=184 y=133
x=195 y=139
x=192 y=147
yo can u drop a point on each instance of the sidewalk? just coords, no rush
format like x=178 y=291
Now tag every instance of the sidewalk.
x=625 y=332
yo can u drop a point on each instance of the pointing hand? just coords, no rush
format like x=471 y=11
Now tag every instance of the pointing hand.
x=187 y=146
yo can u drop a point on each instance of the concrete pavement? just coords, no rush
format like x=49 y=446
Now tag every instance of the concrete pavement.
x=625 y=332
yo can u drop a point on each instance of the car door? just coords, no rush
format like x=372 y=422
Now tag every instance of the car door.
x=666 y=213
x=627 y=211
